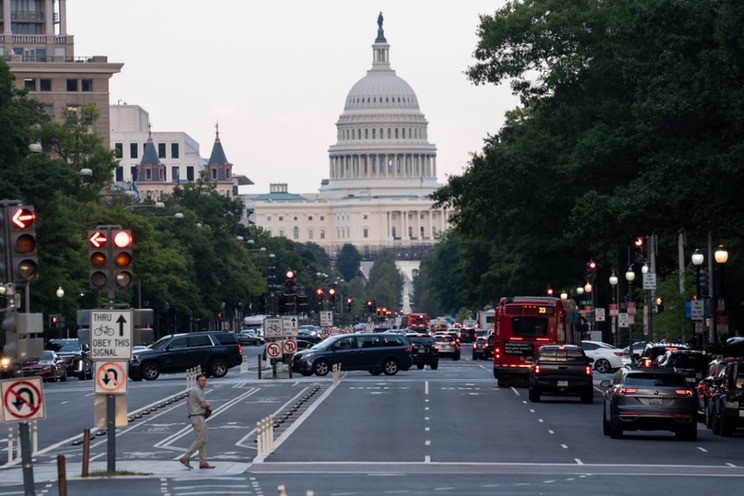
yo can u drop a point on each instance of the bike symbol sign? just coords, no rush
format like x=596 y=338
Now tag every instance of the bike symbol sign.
x=289 y=346
x=273 y=349
x=23 y=400
x=111 y=377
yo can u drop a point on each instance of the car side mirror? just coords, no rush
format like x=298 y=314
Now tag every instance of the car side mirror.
x=86 y=348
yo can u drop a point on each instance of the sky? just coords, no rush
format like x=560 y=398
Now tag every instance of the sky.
x=275 y=74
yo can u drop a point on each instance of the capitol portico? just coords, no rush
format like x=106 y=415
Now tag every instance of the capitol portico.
x=382 y=170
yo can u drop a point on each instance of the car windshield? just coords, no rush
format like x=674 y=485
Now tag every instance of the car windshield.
x=419 y=339
x=688 y=361
x=160 y=343
x=655 y=380
x=64 y=346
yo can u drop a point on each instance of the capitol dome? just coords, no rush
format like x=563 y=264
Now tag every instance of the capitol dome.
x=382 y=143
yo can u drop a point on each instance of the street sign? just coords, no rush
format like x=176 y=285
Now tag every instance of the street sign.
x=631 y=308
x=289 y=346
x=273 y=327
x=649 y=280
x=326 y=319
x=599 y=314
x=273 y=349
x=22 y=400
x=722 y=325
x=698 y=327
x=111 y=334
x=622 y=320
x=614 y=309
x=325 y=332
x=111 y=377
x=290 y=326
x=697 y=310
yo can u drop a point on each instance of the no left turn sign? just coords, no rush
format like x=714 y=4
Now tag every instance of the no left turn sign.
x=23 y=400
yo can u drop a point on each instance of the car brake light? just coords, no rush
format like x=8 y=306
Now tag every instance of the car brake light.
x=683 y=392
x=434 y=347
x=620 y=353
x=240 y=349
x=537 y=369
x=409 y=348
x=627 y=390
x=588 y=370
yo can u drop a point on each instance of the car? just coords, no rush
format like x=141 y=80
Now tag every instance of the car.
x=649 y=399
x=726 y=399
x=653 y=351
x=215 y=352
x=692 y=364
x=248 y=337
x=49 y=366
x=606 y=357
x=561 y=369
x=76 y=356
x=467 y=334
x=704 y=388
x=424 y=351
x=375 y=352
x=448 y=345
x=480 y=348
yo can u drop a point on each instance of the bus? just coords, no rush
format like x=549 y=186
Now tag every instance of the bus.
x=417 y=322
x=522 y=325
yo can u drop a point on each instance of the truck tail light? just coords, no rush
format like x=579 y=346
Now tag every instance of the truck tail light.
x=537 y=370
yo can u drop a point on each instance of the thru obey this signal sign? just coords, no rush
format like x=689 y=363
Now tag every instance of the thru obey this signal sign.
x=111 y=377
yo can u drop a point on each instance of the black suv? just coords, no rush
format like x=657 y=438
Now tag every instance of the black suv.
x=561 y=369
x=726 y=401
x=652 y=352
x=76 y=356
x=215 y=352
x=692 y=364
x=423 y=350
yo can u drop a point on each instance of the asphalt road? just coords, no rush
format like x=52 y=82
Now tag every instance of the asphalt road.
x=450 y=431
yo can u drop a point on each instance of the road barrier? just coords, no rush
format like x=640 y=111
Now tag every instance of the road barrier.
x=14 y=442
x=191 y=376
x=336 y=372
x=265 y=435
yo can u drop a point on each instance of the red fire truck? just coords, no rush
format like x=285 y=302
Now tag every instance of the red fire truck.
x=417 y=322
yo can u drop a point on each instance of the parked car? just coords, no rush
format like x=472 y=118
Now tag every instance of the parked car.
x=49 y=366
x=480 y=348
x=215 y=352
x=76 y=356
x=249 y=337
x=606 y=357
x=375 y=352
x=561 y=369
x=424 y=351
x=653 y=351
x=448 y=344
x=726 y=401
x=704 y=388
x=649 y=399
x=692 y=364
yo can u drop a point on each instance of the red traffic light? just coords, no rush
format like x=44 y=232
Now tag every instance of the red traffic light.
x=97 y=239
x=319 y=292
x=638 y=242
x=290 y=274
x=122 y=239
x=22 y=218
x=592 y=265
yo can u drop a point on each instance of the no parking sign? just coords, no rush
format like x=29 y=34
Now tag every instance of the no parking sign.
x=273 y=349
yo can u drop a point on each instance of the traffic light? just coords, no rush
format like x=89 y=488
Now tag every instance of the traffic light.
x=349 y=304
x=370 y=306
x=704 y=282
x=638 y=249
x=591 y=270
x=659 y=304
x=98 y=270
x=319 y=295
x=54 y=321
x=290 y=280
x=121 y=257
x=24 y=262
x=381 y=312
x=332 y=297
x=3 y=247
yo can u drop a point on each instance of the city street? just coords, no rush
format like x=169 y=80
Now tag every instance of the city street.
x=450 y=431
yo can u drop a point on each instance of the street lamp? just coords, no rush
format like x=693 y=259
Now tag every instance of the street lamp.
x=613 y=311
x=61 y=294
x=721 y=257
x=697 y=262
x=630 y=276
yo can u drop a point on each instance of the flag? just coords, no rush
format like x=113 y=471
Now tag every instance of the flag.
x=136 y=193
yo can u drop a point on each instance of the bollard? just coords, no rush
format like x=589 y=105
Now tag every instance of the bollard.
x=271 y=433
x=259 y=441
x=61 y=475
x=309 y=493
x=336 y=372
x=34 y=437
x=11 y=444
x=281 y=490
x=244 y=365
x=260 y=366
x=86 y=453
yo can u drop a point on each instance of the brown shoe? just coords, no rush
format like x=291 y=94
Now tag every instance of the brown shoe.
x=205 y=465
x=185 y=461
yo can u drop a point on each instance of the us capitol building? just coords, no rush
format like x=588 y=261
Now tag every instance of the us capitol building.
x=382 y=170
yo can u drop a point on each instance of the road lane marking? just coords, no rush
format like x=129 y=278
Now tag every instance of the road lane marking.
x=564 y=446
x=702 y=449
x=578 y=462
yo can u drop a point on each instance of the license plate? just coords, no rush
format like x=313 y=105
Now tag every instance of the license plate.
x=655 y=401
x=741 y=413
x=690 y=379
x=562 y=383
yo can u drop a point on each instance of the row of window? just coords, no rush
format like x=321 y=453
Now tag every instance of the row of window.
x=343 y=233
x=388 y=99
x=175 y=174
x=72 y=85
x=134 y=150
x=418 y=132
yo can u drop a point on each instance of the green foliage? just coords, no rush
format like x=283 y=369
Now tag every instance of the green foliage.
x=348 y=261
x=385 y=281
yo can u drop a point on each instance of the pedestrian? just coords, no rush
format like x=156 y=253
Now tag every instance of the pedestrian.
x=197 y=405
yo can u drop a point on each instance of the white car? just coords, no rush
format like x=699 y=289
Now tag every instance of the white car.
x=606 y=357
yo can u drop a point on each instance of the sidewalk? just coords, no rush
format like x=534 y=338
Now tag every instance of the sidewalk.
x=11 y=476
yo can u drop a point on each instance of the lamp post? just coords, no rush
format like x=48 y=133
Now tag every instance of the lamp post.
x=588 y=289
x=61 y=294
x=697 y=262
x=630 y=276
x=721 y=257
x=613 y=310
x=647 y=313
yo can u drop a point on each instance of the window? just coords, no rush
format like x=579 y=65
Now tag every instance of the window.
x=396 y=133
x=119 y=150
x=322 y=234
x=309 y=217
x=366 y=233
x=195 y=341
x=72 y=85
x=532 y=327
x=148 y=174
x=161 y=150
x=364 y=216
x=190 y=173
x=134 y=173
x=175 y=174
x=281 y=218
x=214 y=174
x=174 y=150
x=133 y=150
x=45 y=85
x=177 y=343
x=322 y=217
x=295 y=232
x=281 y=233
x=29 y=84
x=394 y=232
x=87 y=85
x=120 y=174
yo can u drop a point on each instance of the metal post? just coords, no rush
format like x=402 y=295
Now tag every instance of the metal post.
x=62 y=475
x=26 y=460
x=111 y=433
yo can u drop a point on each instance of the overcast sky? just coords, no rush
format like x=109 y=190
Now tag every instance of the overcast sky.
x=275 y=74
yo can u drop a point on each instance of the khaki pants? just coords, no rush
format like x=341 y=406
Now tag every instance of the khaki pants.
x=200 y=443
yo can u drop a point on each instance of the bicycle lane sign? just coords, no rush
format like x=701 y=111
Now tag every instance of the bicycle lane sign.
x=111 y=334
x=22 y=400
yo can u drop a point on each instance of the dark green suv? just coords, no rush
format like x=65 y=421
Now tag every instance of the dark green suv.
x=215 y=352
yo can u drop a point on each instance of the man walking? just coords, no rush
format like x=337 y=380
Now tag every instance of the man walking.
x=196 y=405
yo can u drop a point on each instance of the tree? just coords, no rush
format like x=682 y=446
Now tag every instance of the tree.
x=385 y=284
x=348 y=261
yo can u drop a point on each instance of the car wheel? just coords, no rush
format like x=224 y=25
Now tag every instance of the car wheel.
x=375 y=371
x=321 y=367
x=534 y=394
x=602 y=366
x=456 y=357
x=390 y=367
x=218 y=367
x=605 y=423
x=434 y=365
x=419 y=366
x=150 y=371
x=687 y=433
x=616 y=432
x=587 y=396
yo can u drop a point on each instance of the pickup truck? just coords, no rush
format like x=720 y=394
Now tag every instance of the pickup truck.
x=561 y=369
